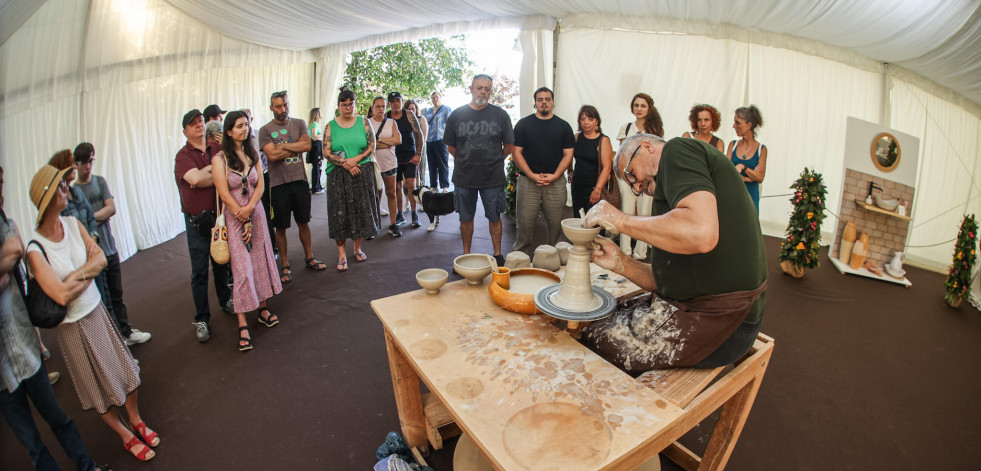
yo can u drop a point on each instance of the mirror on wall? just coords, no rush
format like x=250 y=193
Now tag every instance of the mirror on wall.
x=886 y=152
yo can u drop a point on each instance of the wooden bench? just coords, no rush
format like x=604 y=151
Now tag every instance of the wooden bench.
x=700 y=392
x=694 y=390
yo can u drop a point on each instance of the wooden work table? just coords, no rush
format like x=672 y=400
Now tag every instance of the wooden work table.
x=529 y=396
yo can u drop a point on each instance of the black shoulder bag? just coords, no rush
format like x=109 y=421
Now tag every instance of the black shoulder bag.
x=43 y=311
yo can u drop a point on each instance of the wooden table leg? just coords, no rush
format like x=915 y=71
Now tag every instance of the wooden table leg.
x=730 y=424
x=408 y=396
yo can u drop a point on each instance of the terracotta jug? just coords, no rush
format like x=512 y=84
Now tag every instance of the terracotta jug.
x=859 y=251
x=847 y=241
x=502 y=277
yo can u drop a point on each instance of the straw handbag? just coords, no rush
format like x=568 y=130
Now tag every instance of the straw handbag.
x=219 y=236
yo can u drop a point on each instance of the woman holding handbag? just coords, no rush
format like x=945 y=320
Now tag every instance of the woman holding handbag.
x=593 y=157
x=63 y=260
x=240 y=187
x=648 y=122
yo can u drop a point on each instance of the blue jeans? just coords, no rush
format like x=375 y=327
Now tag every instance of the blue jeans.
x=18 y=415
x=199 y=248
x=438 y=160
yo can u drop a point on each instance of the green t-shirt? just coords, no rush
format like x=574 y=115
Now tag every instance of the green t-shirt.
x=738 y=261
x=314 y=128
x=351 y=140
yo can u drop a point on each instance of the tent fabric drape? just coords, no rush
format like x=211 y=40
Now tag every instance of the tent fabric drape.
x=120 y=74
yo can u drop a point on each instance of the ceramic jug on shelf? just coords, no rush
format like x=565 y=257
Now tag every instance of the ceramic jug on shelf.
x=859 y=251
x=847 y=241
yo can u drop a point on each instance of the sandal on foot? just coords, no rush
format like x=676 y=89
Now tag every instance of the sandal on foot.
x=359 y=256
x=146 y=454
x=314 y=264
x=342 y=265
x=286 y=275
x=151 y=438
x=247 y=340
x=270 y=319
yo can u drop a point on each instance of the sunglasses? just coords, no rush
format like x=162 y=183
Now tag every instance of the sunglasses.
x=245 y=186
x=281 y=94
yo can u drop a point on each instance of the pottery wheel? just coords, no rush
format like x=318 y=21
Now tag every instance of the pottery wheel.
x=543 y=301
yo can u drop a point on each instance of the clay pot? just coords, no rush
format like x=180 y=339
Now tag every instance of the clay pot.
x=847 y=242
x=792 y=269
x=956 y=303
x=859 y=252
x=546 y=258
x=515 y=260
x=563 y=248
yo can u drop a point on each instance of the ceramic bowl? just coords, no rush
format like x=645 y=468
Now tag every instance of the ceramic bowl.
x=888 y=205
x=474 y=267
x=431 y=279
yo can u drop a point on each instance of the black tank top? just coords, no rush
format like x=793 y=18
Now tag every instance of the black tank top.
x=407 y=149
x=586 y=155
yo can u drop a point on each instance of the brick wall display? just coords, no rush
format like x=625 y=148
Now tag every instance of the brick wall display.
x=887 y=234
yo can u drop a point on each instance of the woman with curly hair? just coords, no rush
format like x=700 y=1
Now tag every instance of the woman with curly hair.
x=705 y=120
x=648 y=122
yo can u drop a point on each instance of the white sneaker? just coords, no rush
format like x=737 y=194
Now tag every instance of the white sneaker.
x=383 y=212
x=432 y=227
x=137 y=336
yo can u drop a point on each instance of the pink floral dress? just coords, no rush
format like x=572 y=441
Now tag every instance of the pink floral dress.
x=254 y=272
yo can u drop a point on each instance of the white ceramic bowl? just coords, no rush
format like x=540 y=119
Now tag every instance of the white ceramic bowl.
x=431 y=279
x=474 y=267
x=888 y=205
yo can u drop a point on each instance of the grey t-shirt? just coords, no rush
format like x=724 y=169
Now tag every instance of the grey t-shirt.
x=96 y=191
x=479 y=137
x=291 y=168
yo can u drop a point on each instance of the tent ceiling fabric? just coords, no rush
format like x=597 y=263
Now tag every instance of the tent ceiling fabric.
x=938 y=39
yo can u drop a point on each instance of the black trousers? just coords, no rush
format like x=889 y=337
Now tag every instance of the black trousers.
x=110 y=284
x=199 y=249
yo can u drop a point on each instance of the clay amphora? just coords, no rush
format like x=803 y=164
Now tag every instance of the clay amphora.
x=859 y=252
x=847 y=241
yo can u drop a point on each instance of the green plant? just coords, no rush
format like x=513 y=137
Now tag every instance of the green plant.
x=510 y=191
x=416 y=69
x=959 y=276
x=804 y=229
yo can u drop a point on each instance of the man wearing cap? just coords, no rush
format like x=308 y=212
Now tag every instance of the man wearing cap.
x=96 y=191
x=283 y=140
x=213 y=113
x=192 y=170
x=408 y=154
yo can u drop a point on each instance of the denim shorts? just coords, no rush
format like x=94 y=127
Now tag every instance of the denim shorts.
x=465 y=200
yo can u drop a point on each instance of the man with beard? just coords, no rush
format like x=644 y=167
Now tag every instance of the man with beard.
x=480 y=137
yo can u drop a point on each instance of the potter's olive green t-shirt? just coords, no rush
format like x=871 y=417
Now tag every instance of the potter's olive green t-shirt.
x=738 y=262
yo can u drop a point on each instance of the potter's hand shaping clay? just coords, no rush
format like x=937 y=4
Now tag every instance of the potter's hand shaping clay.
x=606 y=215
x=606 y=254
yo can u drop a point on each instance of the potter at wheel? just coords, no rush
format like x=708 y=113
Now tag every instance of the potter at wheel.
x=575 y=299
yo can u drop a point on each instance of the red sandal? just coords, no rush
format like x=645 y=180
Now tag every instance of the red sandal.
x=146 y=454
x=152 y=439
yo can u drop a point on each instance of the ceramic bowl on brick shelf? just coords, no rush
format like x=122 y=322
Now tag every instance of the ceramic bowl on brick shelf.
x=888 y=205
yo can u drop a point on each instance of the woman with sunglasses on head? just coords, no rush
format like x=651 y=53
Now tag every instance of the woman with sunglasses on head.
x=705 y=120
x=748 y=155
x=352 y=204
x=648 y=122
x=240 y=188
x=63 y=260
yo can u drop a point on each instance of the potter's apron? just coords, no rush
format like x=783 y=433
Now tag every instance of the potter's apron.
x=648 y=332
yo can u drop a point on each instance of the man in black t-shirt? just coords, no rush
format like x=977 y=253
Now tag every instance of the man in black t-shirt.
x=543 y=146
x=708 y=271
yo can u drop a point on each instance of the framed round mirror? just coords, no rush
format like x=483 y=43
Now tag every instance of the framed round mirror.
x=885 y=152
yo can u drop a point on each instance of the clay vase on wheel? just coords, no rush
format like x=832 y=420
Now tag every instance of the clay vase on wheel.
x=847 y=242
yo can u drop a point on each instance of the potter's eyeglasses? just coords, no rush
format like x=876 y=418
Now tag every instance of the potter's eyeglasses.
x=629 y=177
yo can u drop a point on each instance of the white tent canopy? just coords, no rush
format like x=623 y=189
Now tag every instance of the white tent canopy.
x=120 y=73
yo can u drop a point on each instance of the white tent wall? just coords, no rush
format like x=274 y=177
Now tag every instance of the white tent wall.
x=947 y=186
x=144 y=65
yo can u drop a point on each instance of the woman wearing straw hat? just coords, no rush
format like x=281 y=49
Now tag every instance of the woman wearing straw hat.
x=63 y=260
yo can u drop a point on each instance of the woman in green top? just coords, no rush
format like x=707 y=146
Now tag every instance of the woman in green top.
x=316 y=155
x=352 y=205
